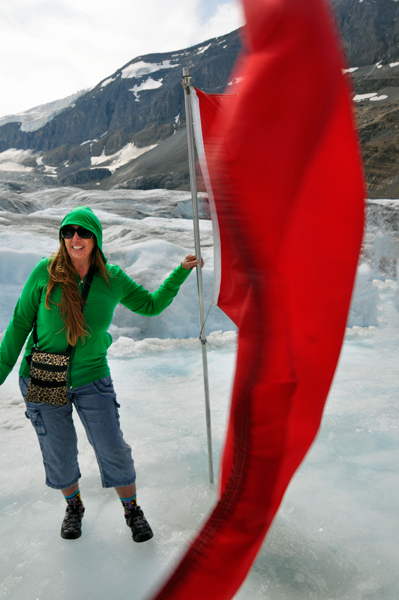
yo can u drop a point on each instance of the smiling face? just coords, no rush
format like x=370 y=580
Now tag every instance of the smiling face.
x=79 y=250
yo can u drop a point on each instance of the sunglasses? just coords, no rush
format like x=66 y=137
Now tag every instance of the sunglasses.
x=68 y=232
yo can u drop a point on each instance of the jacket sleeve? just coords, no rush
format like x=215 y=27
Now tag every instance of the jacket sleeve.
x=21 y=323
x=143 y=302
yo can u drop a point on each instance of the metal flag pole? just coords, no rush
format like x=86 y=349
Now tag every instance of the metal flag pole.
x=186 y=81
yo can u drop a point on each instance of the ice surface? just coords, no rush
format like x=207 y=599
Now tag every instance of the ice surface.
x=147 y=248
x=335 y=536
x=336 y=533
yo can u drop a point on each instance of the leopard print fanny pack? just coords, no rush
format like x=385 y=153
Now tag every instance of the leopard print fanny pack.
x=49 y=370
x=48 y=377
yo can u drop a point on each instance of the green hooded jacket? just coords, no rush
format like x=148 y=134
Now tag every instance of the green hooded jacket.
x=85 y=217
x=89 y=358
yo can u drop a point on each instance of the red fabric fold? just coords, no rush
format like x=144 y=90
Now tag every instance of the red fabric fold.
x=288 y=187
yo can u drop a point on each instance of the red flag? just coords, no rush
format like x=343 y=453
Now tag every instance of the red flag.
x=206 y=109
x=287 y=182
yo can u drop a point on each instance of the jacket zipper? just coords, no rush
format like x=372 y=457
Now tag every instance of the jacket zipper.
x=73 y=349
x=70 y=369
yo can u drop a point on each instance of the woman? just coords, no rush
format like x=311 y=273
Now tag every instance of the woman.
x=52 y=296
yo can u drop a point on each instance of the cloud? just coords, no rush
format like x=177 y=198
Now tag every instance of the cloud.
x=52 y=49
x=227 y=17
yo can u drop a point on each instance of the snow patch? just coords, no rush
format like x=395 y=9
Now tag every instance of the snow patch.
x=395 y=64
x=14 y=167
x=376 y=98
x=50 y=171
x=13 y=159
x=107 y=81
x=235 y=80
x=88 y=142
x=351 y=70
x=360 y=97
x=37 y=117
x=203 y=49
x=140 y=69
x=149 y=84
x=176 y=123
x=125 y=155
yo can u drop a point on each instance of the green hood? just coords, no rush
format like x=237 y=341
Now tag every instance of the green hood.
x=85 y=217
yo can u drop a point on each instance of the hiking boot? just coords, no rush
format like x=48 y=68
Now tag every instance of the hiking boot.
x=71 y=527
x=137 y=522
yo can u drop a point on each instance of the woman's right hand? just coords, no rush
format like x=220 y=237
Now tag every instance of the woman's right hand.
x=191 y=261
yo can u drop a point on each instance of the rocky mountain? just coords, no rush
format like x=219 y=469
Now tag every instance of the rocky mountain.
x=126 y=115
x=377 y=109
x=370 y=30
x=128 y=132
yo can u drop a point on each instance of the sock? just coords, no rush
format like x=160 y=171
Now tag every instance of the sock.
x=74 y=499
x=129 y=502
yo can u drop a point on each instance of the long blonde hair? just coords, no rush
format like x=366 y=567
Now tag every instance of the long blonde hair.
x=63 y=273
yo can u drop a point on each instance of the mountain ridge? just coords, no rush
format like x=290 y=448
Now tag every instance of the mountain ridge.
x=138 y=111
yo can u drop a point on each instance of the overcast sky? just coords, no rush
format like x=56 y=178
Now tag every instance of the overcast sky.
x=53 y=48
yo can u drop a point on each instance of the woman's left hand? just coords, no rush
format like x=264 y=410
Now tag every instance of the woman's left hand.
x=191 y=261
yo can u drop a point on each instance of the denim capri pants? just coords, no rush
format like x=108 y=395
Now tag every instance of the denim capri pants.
x=97 y=408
